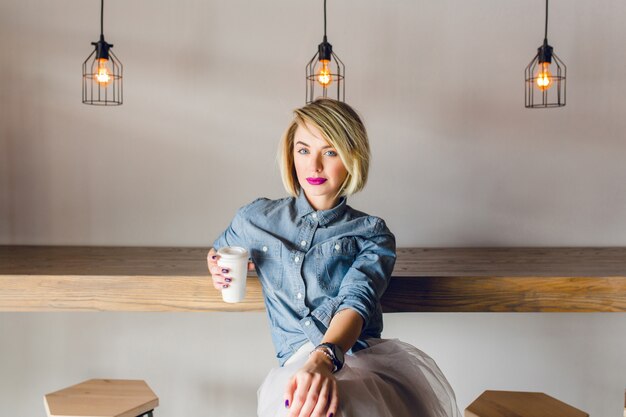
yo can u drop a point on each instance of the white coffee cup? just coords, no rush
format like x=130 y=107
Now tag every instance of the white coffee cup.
x=234 y=258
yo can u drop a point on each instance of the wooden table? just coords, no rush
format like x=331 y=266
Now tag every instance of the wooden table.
x=56 y=278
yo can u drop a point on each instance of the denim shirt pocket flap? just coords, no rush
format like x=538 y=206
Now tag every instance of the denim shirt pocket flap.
x=345 y=246
x=265 y=250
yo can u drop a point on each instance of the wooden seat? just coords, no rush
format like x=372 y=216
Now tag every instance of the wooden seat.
x=520 y=404
x=102 y=398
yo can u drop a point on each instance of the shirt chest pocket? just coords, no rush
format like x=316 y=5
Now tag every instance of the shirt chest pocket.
x=266 y=256
x=335 y=257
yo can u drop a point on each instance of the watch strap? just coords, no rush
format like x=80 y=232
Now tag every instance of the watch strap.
x=333 y=352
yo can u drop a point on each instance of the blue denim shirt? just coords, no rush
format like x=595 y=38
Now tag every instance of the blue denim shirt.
x=313 y=264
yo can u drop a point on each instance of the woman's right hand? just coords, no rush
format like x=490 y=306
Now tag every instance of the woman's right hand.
x=220 y=275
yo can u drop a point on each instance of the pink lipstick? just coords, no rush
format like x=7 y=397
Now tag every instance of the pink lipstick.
x=316 y=181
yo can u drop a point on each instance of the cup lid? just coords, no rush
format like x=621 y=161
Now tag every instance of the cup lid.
x=232 y=252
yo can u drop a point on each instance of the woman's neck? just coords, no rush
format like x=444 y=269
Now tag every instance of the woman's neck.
x=322 y=202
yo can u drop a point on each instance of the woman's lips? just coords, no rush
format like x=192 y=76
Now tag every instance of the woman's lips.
x=316 y=181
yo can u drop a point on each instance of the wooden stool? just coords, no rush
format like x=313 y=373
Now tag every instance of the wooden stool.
x=520 y=404
x=102 y=398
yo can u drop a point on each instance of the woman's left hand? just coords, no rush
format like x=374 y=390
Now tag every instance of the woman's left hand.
x=312 y=391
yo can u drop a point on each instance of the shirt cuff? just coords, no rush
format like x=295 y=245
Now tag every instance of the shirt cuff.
x=356 y=303
x=326 y=311
x=310 y=329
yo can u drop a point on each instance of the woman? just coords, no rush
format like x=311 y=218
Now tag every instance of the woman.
x=323 y=267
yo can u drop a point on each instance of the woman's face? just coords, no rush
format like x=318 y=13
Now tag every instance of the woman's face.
x=318 y=166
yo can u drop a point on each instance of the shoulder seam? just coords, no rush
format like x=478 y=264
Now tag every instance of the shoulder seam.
x=248 y=206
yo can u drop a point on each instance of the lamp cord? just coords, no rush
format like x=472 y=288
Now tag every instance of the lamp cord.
x=546 y=33
x=101 y=17
x=324 y=20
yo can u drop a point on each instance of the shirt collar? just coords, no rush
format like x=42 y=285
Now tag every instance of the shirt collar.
x=324 y=217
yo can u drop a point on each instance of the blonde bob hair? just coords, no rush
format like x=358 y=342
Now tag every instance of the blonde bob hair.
x=342 y=129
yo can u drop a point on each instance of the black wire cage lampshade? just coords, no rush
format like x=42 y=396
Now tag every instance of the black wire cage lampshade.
x=325 y=72
x=545 y=77
x=102 y=73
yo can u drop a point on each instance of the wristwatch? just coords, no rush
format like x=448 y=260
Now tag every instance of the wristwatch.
x=334 y=353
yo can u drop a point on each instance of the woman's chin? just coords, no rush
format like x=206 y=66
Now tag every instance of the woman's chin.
x=316 y=191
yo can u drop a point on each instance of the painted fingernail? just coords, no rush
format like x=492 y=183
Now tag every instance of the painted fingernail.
x=228 y=280
x=214 y=256
x=224 y=270
x=331 y=415
x=225 y=286
x=286 y=403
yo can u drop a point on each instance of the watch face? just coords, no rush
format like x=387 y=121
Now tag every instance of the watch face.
x=338 y=353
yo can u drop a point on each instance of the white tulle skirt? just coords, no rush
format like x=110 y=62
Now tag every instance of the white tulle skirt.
x=389 y=379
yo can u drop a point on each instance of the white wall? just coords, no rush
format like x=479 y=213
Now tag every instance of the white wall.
x=209 y=87
x=211 y=364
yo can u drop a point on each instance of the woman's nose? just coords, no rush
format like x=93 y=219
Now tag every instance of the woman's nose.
x=316 y=164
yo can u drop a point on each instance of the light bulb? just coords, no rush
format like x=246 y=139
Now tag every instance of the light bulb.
x=102 y=76
x=324 y=77
x=544 y=77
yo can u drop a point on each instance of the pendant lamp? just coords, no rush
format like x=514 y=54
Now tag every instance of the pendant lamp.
x=102 y=73
x=325 y=72
x=545 y=77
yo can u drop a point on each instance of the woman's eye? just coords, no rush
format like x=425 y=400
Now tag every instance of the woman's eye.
x=303 y=151
x=331 y=153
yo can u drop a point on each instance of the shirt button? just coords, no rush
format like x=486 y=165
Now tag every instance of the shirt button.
x=264 y=248
x=299 y=295
x=307 y=323
x=297 y=259
x=314 y=215
x=337 y=247
x=303 y=243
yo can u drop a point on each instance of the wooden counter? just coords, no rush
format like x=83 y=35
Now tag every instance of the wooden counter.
x=55 y=278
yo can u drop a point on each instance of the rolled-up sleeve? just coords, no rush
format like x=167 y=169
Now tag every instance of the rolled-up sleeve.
x=368 y=277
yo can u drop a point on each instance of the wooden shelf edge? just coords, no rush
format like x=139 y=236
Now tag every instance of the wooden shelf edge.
x=43 y=293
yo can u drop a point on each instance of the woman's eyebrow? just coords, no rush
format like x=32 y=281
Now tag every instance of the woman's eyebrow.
x=302 y=143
